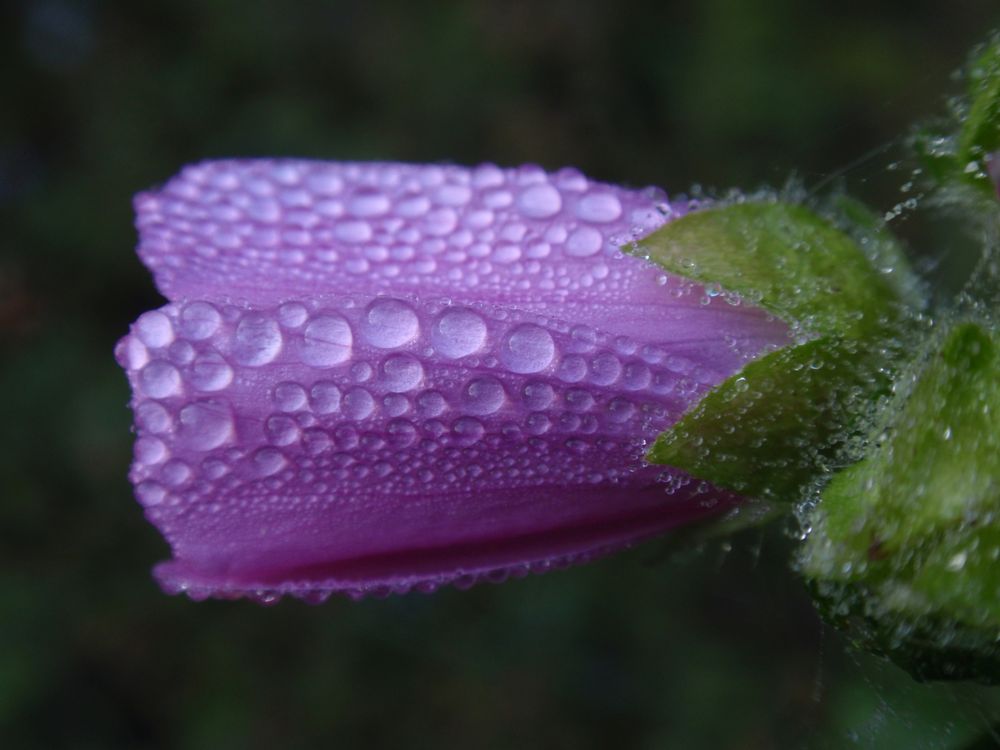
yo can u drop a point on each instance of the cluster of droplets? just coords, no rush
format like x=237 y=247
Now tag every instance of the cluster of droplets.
x=386 y=396
x=264 y=228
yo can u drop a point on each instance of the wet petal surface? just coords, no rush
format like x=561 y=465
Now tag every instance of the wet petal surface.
x=375 y=377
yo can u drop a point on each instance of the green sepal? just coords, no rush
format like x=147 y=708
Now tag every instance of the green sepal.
x=904 y=549
x=782 y=421
x=783 y=257
x=955 y=153
x=788 y=416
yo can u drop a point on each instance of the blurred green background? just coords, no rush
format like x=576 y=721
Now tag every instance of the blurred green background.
x=717 y=648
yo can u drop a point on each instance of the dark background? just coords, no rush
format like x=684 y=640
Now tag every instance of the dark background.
x=651 y=649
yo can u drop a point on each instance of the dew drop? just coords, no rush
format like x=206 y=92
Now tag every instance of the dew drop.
x=326 y=341
x=431 y=404
x=257 y=340
x=579 y=400
x=539 y=202
x=205 y=425
x=358 y=404
x=538 y=396
x=160 y=379
x=150 y=494
x=325 y=397
x=149 y=450
x=316 y=442
x=527 y=349
x=605 y=369
x=281 y=430
x=289 y=396
x=483 y=396
x=153 y=418
x=620 y=410
x=538 y=423
x=268 y=461
x=367 y=204
x=572 y=369
x=389 y=323
x=401 y=433
x=154 y=329
x=401 y=373
x=292 y=314
x=599 y=207
x=584 y=242
x=210 y=372
x=468 y=431
x=458 y=332
x=175 y=472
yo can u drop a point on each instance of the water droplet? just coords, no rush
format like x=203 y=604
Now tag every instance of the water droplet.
x=458 y=332
x=358 y=404
x=205 y=425
x=620 y=410
x=316 y=442
x=431 y=404
x=175 y=472
x=401 y=373
x=268 y=462
x=468 y=431
x=292 y=314
x=210 y=372
x=539 y=202
x=538 y=423
x=153 y=418
x=326 y=341
x=257 y=340
x=401 y=433
x=325 y=397
x=149 y=450
x=605 y=369
x=160 y=379
x=527 y=349
x=367 y=204
x=584 y=242
x=483 y=396
x=389 y=323
x=281 y=430
x=637 y=376
x=572 y=369
x=199 y=321
x=289 y=396
x=538 y=396
x=599 y=207
x=353 y=232
x=154 y=329
x=579 y=400
x=150 y=494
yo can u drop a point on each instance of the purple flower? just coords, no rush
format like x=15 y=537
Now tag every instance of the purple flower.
x=377 y=377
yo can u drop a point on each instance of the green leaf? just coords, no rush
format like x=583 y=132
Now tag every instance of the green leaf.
x=783 y=420
x=907 y=541
x=783 y=257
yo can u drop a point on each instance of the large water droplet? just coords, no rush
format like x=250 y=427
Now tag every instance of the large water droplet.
x=584 y=242
x=483 y=396
x=198 y=321
x=326 y=341
x=289 y=396
x=149 y=450
x=468 y=431
x=401 y=373
x=599 y=207
x=528 y=348
x=358 y=404
x=153 y=418
x=257 y=340
x=160 y=379
x=538 y=396
x=389 y=323
x=458 y=332
x=150 y=494
x=281 y=430
x=539 y=202
x=154 y=329
x=268 y=461
x=431 y=404
x=325 y=397
x=210 y=372
x=205 y=425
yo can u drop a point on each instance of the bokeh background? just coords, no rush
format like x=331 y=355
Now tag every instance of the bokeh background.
x=663 y=647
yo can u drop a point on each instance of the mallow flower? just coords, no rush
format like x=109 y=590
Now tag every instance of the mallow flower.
x=378 y=377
